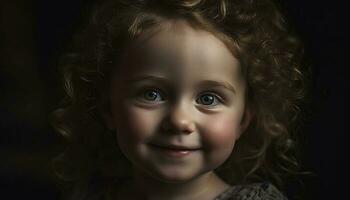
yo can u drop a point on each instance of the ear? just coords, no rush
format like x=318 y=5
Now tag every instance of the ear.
x=247 y=117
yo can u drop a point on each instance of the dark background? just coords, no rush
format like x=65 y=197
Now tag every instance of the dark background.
x=34 y=33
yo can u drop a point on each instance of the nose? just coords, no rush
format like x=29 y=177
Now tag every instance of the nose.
x=180 y=119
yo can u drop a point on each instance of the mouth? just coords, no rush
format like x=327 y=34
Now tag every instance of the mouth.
x=174 y=150
x=175 y=147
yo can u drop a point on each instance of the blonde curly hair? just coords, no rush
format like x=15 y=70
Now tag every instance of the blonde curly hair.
x=255 y=30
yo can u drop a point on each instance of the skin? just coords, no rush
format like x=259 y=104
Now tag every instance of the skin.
x=181 y=86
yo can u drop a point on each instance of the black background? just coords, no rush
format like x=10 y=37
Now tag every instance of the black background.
x=34 y=33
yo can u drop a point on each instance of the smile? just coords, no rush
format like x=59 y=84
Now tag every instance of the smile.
x=174 y=151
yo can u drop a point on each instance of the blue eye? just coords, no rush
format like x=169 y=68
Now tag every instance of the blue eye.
x=152 y=95
x=209 y=99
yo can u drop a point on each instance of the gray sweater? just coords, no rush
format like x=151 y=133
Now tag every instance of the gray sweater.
x=255 y=191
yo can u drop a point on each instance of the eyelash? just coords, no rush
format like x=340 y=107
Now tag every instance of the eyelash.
x=217 y=98
x=144 y=91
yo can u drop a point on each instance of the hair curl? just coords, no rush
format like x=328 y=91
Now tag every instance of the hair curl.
x=256 y=32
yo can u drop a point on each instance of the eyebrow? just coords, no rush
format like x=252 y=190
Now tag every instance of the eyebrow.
x=165 y=81
x=148 y=77
x=224 y=84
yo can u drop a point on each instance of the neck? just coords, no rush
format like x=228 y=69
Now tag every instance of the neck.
x=206 y=186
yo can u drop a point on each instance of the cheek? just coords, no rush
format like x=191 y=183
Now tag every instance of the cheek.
x=221 y=131
x=137 y=124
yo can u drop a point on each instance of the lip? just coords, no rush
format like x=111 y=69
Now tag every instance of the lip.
x=175 y=147
x=174 y=150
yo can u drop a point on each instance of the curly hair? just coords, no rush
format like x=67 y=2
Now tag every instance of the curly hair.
x=257 y=34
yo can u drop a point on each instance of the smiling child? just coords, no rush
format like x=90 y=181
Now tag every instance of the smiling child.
x=181 y=100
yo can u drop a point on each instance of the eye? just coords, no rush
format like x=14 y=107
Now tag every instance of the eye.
x=209 y=99
x=152 y=95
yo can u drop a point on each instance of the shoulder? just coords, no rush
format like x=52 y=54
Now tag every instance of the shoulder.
x=255 y=191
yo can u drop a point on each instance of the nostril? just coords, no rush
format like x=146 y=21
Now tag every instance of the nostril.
x=188 y=128
x=183 y=127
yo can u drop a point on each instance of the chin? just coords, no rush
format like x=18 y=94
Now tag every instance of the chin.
x=174 y=176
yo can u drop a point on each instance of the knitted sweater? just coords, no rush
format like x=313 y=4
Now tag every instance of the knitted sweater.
x=254 y=191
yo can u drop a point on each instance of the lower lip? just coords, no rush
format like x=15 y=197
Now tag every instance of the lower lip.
x=174 y=152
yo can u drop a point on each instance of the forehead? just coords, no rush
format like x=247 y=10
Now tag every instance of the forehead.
x=185 y=53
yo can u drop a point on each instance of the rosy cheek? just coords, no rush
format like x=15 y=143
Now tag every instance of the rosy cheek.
x=138 y=124
x=221 y=130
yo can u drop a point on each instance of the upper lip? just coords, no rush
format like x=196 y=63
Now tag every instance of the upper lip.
x=176 y=147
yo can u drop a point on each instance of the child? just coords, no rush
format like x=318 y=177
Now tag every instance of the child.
x=181 y=99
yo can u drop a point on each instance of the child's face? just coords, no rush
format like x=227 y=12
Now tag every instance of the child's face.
x=177 y=104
